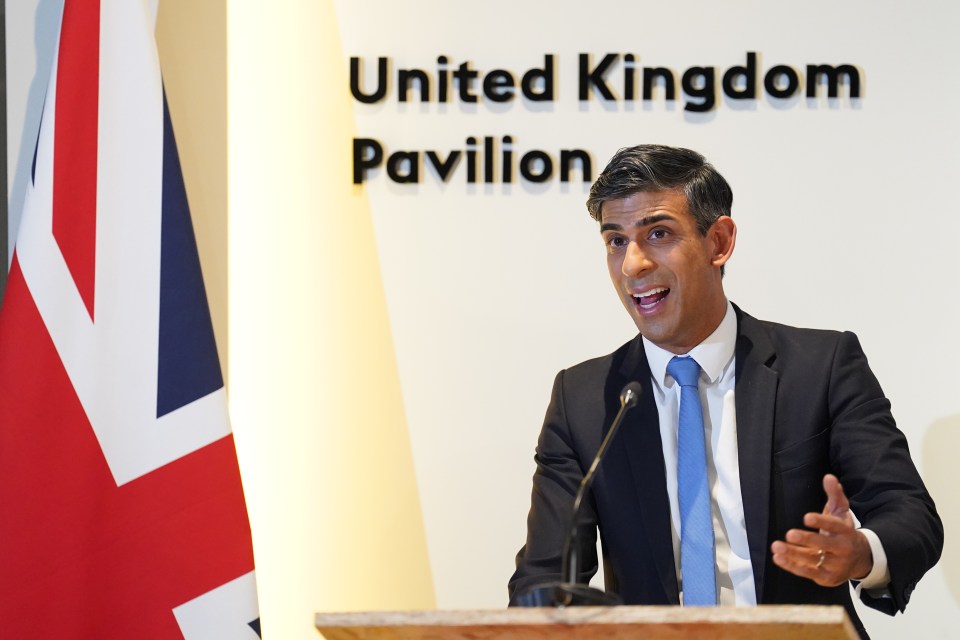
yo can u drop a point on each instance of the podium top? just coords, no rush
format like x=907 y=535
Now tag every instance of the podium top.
x=589 y=623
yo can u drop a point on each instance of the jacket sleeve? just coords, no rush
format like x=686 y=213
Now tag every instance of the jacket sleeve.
x=871 y=458
x=559 y=471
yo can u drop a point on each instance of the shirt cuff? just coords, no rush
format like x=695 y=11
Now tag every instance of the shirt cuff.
x=879 y=576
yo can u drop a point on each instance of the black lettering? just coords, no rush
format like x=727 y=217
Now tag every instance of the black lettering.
x=488 y=159
x=567 y=158
x=498 y=86
x=442 y=79
x=471 y=159
x=815 y=71
x=507 y=159
x=356 y=72
x=748 y=73
x=446 y=167
x=770 y=81
x=464 y=76
x=530 y=160
x=528 y=82
x=405 y=76
x=629 y=76
x=595 y=77
x=705 y=89
x=396 y=163
x=650 y=74
x=367 y=154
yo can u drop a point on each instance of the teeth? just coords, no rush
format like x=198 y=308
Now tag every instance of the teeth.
x=649 y=293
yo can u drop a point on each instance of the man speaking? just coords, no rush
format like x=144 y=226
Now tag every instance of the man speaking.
x=761 y=464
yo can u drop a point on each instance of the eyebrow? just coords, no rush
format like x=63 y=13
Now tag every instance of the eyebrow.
x=642 y=222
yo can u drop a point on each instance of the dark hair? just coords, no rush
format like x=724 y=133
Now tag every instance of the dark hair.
x=652 y=167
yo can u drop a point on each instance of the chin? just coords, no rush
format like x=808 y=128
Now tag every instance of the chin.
x=657 y=335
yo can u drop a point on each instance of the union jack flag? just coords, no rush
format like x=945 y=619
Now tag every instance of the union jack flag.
x=121 y=509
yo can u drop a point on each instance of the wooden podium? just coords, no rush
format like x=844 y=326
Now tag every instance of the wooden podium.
x=600 y=623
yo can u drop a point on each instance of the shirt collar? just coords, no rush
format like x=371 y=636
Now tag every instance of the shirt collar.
x=713 y=354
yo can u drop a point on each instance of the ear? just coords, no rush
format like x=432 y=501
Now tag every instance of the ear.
x=723 y=237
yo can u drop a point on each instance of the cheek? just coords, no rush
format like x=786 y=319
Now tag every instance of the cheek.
x=615 y=267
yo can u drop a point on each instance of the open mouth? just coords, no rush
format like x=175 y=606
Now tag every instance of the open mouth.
x=648 y=300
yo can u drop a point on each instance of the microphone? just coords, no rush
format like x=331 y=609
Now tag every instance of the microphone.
x=568 y=592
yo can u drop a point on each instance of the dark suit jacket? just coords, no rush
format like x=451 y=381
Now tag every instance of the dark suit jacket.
x=807 y=404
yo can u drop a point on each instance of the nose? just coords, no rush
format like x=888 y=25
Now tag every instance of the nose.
x=635 y=261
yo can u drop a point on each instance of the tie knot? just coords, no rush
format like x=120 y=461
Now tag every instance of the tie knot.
x=684 y=370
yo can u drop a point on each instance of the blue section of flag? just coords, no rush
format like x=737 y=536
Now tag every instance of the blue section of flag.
x=189 y=367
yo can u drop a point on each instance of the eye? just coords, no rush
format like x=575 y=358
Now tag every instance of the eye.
x=615 y=241
x=659 y=233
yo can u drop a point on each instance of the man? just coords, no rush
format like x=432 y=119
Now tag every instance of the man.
x=793 y=433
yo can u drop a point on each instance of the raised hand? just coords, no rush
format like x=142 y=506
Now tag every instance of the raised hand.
x=833 y=554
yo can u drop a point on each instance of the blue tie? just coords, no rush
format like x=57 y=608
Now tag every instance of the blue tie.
x=696 y=523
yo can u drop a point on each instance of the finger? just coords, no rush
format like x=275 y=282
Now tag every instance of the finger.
x=836 y=542
x=837 y=502
x=806 y=563
x=809 y=540
x=796 y=555
x=828 y=524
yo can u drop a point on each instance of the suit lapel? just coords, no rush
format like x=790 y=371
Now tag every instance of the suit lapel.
x=641 y=435
x=756 y=392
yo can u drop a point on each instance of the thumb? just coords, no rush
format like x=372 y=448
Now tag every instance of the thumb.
x=837 y=503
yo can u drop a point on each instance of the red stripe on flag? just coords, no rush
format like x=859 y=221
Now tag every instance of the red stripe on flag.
x=84 y=558
x=75 y=143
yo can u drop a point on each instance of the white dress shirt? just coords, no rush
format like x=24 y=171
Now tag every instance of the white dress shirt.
x=717 y=359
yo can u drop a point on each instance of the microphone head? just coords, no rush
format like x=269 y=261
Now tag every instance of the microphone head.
x=630 y=394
